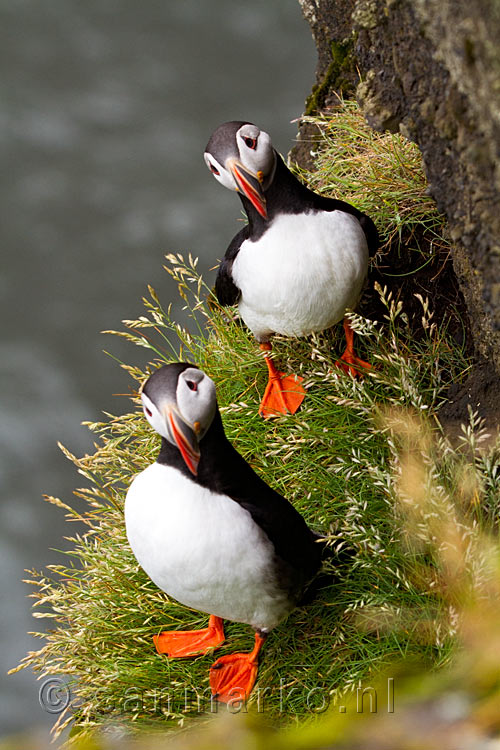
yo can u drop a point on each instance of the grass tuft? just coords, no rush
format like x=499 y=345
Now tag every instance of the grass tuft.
x=344 y=461
x=379 y=173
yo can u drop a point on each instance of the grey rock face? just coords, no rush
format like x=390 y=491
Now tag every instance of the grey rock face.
x=430 y=69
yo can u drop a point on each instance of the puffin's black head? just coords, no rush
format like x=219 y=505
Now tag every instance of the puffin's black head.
x=179 y=402
x=241 y=157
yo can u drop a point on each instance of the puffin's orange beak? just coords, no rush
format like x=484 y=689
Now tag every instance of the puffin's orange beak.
x=185 y=439
x=249 y=184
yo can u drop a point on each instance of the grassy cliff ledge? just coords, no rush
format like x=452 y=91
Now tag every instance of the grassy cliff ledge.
x=366 y=462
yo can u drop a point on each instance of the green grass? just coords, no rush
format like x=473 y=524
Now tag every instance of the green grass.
x=381 y=174
x=339 y=460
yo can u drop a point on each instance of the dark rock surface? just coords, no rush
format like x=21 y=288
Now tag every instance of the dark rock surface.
x=430 y=69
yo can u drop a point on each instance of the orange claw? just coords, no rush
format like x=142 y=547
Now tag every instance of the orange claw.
x=232 y=677
x=178 y=643
x=284 y=393
x=349 y=361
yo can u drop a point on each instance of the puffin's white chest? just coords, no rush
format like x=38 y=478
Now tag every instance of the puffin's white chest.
x=302 y=274
x=202 y=548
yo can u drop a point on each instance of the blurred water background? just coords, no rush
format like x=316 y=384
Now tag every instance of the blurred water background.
x=105 y=109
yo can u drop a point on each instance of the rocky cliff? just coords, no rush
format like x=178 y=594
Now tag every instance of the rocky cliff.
x=430 y=69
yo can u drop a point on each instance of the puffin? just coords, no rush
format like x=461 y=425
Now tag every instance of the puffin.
x=299 y=263
x=211 y=533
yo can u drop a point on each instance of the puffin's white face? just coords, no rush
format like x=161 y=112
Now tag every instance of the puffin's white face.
x=196 y=399
x=241 y=157
x=180 y=407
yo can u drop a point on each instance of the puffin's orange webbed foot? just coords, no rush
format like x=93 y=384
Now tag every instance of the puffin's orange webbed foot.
x=349 y=361
x=284 y=393
x=232 y=677
x=352 y=364
x=179 y=643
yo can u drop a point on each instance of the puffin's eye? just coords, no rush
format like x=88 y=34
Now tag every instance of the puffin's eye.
x=250 y=142
x=214 y=169
x=192 y=386
x=148 y=411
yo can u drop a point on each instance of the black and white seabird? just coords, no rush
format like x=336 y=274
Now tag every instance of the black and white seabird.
x=210 y=532
x=299 y=263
